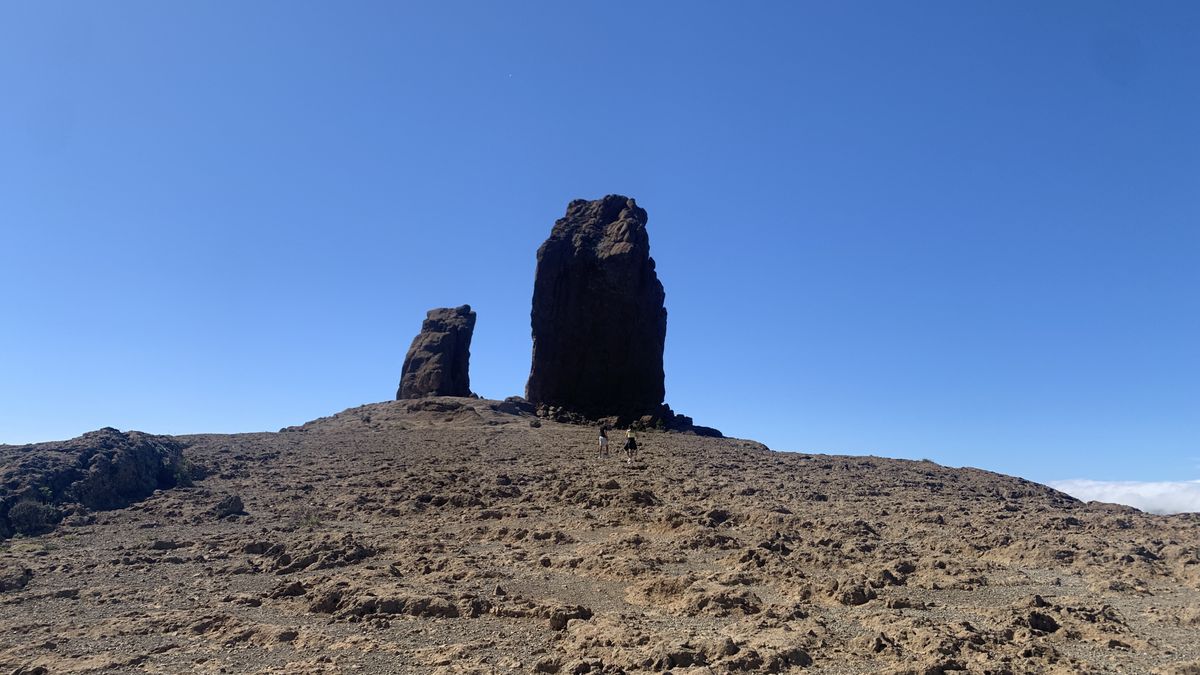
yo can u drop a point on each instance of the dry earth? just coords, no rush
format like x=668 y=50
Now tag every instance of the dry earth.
x=446 y=536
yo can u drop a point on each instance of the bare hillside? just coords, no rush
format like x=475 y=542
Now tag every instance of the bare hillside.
x=444 y=535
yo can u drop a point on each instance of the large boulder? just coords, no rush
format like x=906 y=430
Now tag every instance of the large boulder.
x=598 y=319
x=438 y=361
x=104 y=469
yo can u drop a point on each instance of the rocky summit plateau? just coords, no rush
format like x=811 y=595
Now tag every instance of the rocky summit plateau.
x=463 y=535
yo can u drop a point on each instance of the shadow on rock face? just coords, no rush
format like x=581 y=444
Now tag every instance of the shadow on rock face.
x=598 y=320
x=104 y=469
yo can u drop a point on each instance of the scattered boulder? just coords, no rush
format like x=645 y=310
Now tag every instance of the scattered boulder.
x=14 y=578
x=853 y=594
x=598 y=320
x=716 y=517
x=230 y=505
x=561 y=616
x=1042 y=622
x=167 y=545
x=438 y=361
x=287 y=589
x=788 y=657
x=515 y=405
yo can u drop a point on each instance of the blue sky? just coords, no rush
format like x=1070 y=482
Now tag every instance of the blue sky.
x=966 y=232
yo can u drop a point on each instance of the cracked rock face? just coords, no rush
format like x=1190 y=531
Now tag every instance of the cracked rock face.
x=598 y=319
x=438 y=361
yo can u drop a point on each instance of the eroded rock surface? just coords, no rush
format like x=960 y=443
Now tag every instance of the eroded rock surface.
x=104 y=469
x=438 y=362
x=599 y=324
x=447 y=535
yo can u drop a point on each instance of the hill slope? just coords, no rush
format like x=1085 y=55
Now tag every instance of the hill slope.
x=446 y=536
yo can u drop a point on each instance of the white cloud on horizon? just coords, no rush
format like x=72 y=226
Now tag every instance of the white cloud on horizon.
x=1162 y=497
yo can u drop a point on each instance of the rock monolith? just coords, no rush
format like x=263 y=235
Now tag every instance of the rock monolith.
x=598 y=319
x=438 y=361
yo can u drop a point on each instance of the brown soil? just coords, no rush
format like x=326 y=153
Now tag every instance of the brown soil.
x=444 y=536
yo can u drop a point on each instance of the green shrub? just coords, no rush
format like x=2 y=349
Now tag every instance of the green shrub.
x=188 y=472
x=183 y=474
x=32 y=517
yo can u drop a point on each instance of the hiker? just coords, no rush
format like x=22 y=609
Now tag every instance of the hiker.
x=604 y=440
x=630 y=446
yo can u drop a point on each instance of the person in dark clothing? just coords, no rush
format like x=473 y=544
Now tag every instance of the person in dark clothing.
x=631 y=446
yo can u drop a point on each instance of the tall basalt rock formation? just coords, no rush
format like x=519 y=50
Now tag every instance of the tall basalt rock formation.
x=438 y=361
x=599 y=324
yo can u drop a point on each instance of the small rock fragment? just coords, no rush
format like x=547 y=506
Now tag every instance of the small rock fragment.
x=230 y=505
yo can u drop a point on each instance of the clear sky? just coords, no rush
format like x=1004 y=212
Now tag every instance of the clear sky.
x=968 y=232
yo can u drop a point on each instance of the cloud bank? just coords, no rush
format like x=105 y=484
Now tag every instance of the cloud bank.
x=1162 y=497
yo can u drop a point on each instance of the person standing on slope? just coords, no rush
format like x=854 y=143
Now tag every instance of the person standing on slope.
x=604 y=440
x=631 y=446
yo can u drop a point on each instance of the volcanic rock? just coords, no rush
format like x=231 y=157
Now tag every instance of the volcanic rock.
x=104 y=469
x=14 y=578
x=230 y=505
x=598 y=319
x=438 y=361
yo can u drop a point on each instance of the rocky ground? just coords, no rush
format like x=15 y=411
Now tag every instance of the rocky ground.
x=446 y=536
